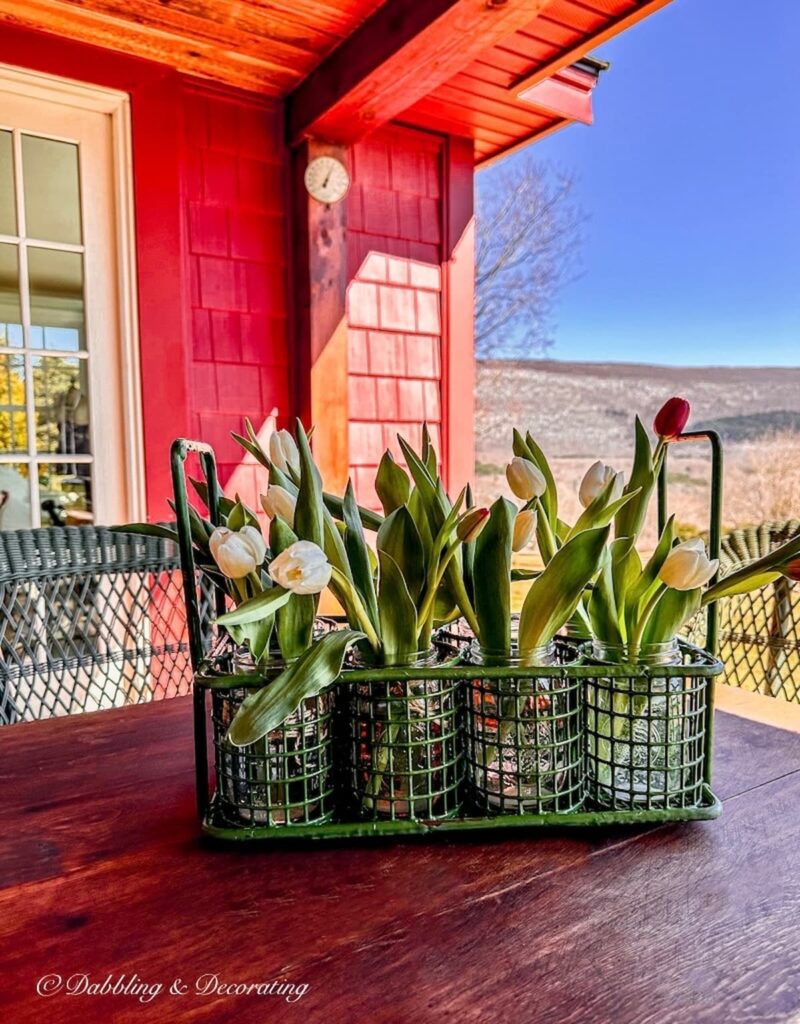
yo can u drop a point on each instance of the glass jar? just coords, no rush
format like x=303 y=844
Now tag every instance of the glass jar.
x=285 y=778
x=403 y=737
x=524 y=737
x=645 y=733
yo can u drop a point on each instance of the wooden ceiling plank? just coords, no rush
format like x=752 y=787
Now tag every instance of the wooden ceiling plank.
x=192 y=58
x=216 y=27
x=516 y=115
x=398 y=55
x=437 y=116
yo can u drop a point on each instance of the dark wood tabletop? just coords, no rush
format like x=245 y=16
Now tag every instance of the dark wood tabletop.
x=105 y=879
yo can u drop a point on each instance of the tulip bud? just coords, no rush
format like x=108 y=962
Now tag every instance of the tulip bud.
x=302 y=568
x=283 y=451
x=792 y=569
x=471 y=524
x=524 y=529
x=237 y=552
x=687 y=566
x=278 y=502
x=596 y=480
x=671 y=418
x=525 y=479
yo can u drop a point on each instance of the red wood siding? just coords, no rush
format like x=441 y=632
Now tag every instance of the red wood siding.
x=394 y=307
x=236 y=253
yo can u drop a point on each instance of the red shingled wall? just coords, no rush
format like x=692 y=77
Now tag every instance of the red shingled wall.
x=234 y=206
x=394 y=303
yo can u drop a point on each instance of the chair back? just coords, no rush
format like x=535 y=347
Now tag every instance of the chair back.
x=90 y=618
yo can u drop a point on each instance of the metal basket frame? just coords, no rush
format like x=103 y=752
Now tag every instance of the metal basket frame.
x=214 y=674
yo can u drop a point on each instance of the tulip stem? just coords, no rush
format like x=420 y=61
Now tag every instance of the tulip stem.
x=360 y=611
x=425 y=615
x=636 y=636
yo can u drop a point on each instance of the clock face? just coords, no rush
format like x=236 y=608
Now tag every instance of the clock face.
x=327 y=180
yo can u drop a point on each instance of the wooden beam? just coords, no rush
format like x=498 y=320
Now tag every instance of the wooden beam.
x=397 y=56
x=320 y=294
x=573 y=53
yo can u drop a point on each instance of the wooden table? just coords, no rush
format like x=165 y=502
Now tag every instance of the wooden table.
x=102 y=873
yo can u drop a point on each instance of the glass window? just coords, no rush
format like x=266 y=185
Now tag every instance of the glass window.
x=10 y=311
x=8 y=211
x=13 y=417
x=45 y=448
x=55 y=284
x=52 y=190
x=61 y=405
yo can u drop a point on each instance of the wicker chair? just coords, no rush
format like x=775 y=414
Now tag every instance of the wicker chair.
x=759 y=633
x=89 y=619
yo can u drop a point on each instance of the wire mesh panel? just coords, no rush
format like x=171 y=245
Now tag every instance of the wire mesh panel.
x=286 y=778
x=405 y=748
x=759 y=633
x=89 y=619
x=525 y=743
x=646 y=739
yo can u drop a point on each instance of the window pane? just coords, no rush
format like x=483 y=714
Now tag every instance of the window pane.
x=56 y=292
x=61 y=396
x=8 y=213
x=13 y=424
x=15 y=498
x=65 y=494
x=52 y=191
x=10 y=313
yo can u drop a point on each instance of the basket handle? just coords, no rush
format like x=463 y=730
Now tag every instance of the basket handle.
x=181 y=449
x=715 y=511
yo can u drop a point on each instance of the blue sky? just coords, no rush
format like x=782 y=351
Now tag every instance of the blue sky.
x=690 y=177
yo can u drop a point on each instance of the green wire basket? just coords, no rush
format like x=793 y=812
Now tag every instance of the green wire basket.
x=451 y=747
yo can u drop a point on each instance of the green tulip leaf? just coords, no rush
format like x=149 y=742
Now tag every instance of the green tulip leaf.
x=755 y=574
x=358 y=555
x=672 y=610
x=631 y=516
x=334 y=505
x=262 y=605
x=308 y=514
x=602 y=607
x=397 y=612
x=399 y=538
x=295 y=620
x=555 y=595
x=148 y=530
x=493 y=551
x=313 y=672
x=255 y=635
x=391 y=484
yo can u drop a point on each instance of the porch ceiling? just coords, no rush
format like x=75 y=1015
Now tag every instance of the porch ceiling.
x=266 y=46
x=494 y=100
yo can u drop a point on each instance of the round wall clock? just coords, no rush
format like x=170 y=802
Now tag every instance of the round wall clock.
x=327 y=179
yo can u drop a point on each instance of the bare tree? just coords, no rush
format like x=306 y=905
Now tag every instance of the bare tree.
x=528 y=237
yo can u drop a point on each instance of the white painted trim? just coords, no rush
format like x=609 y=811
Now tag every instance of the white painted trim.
x=52 y=89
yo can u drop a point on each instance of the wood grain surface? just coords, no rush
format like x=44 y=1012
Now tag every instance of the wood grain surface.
x=103 y=873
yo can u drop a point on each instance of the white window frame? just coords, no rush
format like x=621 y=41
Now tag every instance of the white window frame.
x=55 y=90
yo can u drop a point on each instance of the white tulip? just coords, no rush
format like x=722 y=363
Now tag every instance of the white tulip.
x=302 y=568
x=596 y=479
x=525 y=480
x=524 y=528
x=687 y=566
x=278 y=502
x=237 y=552
x=283 y=451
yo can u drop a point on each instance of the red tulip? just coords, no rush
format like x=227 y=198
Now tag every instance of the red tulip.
x=792 y=569
x=671 y=418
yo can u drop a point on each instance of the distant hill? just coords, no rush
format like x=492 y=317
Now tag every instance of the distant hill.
x=580 y=408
